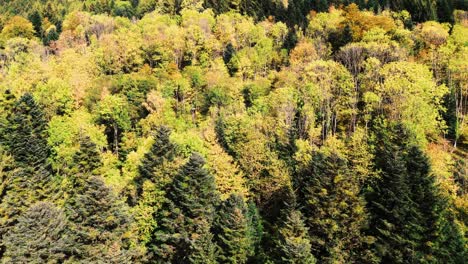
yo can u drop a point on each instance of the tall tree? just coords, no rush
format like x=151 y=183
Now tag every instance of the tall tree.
x=156 y=171
x=294 y=245
x=390 y=204
x=408 y=214
x=157 y=161
x=328 y=193
x=26 y=135
x=183 y=234
x=41 y=236
x=98 y=220
x=30 y=181
x=231 y=229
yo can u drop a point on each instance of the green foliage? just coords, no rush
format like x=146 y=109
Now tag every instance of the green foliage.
x=98 y=221
x=231 y=229
x=406 y=207
x=333 y=209
x=184 y=231
x=294 y=244
x=326 y=131
x=26 y=132
x=41 y=235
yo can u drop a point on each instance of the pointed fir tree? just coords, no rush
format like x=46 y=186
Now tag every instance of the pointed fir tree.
x=157 y=162
x=156 y=171
x=202 y=248
x=98 y=223
x=293 y=244
x=410 y=218
x=255 y=232
x=7 y=103
x=30 y=181
x=86 y=162
x=433 y=220
x=231 y=229
x=87 y=159
x=389 y=201
x=183 y=233
x=329 y=197
x=26 y=135
x=40 y=236
x=450 y=245
x=98 y=219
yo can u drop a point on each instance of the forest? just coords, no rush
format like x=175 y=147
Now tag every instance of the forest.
x=234 y=131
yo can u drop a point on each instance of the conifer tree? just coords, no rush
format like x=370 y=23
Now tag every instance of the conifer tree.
x=390 y=204
x=155 y=173
x=255 y=232
x=439 y=236
x=328 y=193
x=26 y=135
x=87 y=159
x=7 y=102
x=97 y=219
x=160 y=156
x=40 y=236
x=98 y=222
x=409 y=216
x=231 y=229
x=294 y=246
x=183 y=234
x=30 y=181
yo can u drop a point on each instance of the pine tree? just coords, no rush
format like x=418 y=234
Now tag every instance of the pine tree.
x=231 y=228
x=193 y=190
x=434 y=220
x=30 y=181
x=202 y=249
x=294 y=246
x=26 y=135
x=328 y=193
x=450 y=245
x=183 y=234
x=40 y=236
x=157 y=161
x=97 y=219
x=156 y=171
x=7 y=103
x=87 y=159
x=36 y=20
x=98 y=222
x=390 y=204
x=410 y=218
x=255 y=232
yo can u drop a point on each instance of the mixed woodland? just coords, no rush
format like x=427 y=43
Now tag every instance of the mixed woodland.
x=234 y=131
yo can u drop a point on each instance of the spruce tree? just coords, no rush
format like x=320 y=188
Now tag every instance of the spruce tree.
x=409 y=216
x=155 y=173
x=389 y=202
x=329 y=197
x=97 y=219
x=439 y=237
x=30 y=181
x=183 y=234
x=294 y=245
x=7 y=103
x=26 y=135
x=255 y=232
x=157 y=162
x=98 y=222
x=87 y=159
x=40 y=236
x=231 y=228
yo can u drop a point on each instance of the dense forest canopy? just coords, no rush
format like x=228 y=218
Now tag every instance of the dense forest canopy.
x=189 y=131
